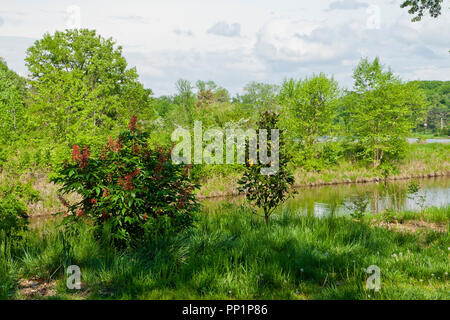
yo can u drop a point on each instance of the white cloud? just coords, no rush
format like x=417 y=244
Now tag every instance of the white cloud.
x=347 y=5
x=181 y=32
x=224 y=29
x=234 y=42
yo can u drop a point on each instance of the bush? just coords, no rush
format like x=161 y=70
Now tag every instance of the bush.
x=23 y=191
x=135 y=188
x=331 y=153
x=13 y=220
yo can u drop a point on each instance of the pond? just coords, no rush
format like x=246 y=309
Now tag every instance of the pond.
x=345 y=198
x=431 y=140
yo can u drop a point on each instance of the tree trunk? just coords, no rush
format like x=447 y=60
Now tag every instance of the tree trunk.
x=266 y=216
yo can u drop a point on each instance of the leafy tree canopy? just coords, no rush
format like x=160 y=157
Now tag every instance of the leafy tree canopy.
x=12 y=104
x=309 y=108
x=80 y=83
x=383 y=110
x=420 y=7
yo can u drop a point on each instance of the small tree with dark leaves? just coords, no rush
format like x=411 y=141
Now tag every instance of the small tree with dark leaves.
x=267 y=191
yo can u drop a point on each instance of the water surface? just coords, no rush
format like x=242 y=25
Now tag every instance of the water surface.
x=372 y=197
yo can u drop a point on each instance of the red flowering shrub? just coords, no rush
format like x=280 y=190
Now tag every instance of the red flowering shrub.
x=134 y=188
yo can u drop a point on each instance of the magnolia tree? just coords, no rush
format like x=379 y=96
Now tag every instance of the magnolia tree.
x=266 y=189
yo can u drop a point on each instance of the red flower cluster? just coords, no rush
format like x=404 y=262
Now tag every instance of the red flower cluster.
x=93 y=201
x=80 y=157
x=106 y=192
x=136 y=149
x=127 y=182
x=114 y=145
x=85 y=157
x=105 y=216
x=80 y=213
x=161 y=160
x=132 y=123
x=76 y=155
x=103 y=153
x=184 y=196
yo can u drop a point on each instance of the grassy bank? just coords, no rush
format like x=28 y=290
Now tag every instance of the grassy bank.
x=422 y=160
x=232 y=254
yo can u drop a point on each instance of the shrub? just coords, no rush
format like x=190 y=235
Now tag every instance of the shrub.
x=358 y=206
x=23 y=191
x=331 y=153
x=13 y=220
x=129 y=185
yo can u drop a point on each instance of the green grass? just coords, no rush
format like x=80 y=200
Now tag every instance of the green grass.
x=231 y=254
x=433 y=215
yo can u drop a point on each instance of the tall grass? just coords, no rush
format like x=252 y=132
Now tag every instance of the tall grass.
x=231 y=254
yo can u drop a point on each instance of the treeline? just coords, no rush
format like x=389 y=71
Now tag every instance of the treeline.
x=81 y=90
x=438 y=96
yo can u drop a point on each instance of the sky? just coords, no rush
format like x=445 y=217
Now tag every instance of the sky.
x=235 y=42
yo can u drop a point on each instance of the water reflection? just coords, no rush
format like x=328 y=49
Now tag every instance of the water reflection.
x=431 y=140
x=345 y=199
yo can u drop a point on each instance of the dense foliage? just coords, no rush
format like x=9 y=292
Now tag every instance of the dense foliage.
x=309 y=110
x=131 y=188
x=420 y=7
x=438 y=96
x=382 y=112
x=13 y=220
x=12 y=104
x=82 y=82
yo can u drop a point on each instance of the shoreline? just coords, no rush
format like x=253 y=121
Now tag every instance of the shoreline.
x=336 y=182
x=308 y=185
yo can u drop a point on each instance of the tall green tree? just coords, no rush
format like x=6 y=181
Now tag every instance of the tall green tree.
x=209 y=92
x=185 y=101
x=309 y=108
x=383 y=112
x=80 y=83
x=258 y=96
x=438 y=95
x=12 y=103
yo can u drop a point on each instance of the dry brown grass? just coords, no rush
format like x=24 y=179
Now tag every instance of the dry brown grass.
x=412 y=226
x=29 y=289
